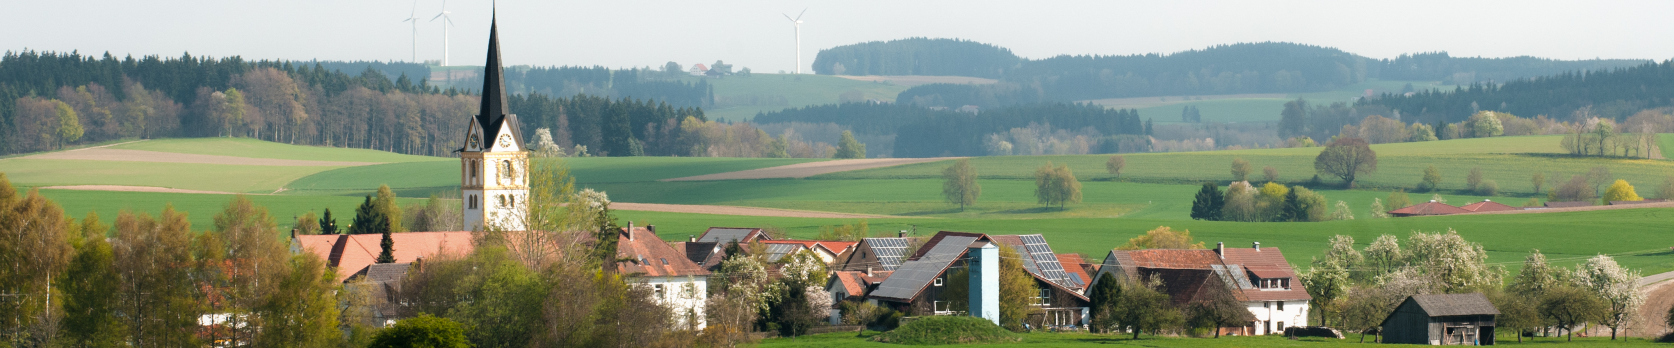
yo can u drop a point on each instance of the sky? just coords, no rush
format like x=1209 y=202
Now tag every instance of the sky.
x=756 y=34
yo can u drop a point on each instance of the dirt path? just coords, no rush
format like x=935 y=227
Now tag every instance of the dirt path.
x=106 y=154
x=741 y=211
x=1659 y=297
x=803 y=170
x=123 y=188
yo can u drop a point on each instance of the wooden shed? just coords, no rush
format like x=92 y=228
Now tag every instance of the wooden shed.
x=1450 y=319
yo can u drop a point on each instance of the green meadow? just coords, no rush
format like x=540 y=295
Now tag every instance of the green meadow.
x=246 y=147
x=1155 y=190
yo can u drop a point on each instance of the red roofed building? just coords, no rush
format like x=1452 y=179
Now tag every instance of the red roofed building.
x=676 y=281
x=1487 y=206
x=1259 y=277
x=851 y=286
x=1427 y=209
x=352 y=253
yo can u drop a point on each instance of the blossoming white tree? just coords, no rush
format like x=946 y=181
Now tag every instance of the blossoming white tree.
x=1613 y=284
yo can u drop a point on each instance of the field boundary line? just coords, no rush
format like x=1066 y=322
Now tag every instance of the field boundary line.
x=803 y=170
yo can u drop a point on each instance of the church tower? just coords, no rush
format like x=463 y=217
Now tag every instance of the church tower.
x=494 y=165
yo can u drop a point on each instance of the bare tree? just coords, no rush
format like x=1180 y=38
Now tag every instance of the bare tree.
x=1346 y=158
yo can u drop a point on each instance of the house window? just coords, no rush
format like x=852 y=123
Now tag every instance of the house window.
x=938 y=281
x=1044 y=298
x=659 y=289
x=1281 y=307
x=1281 y=326
x=941 y=307
x=665 y=261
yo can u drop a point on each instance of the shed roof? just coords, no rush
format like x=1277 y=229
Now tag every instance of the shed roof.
x=1428 y=208
x=1442 y=305
x=1487 y=205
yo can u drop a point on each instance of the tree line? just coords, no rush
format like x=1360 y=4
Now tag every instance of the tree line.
x=633 y=83
x=917 y=56
x=1267 y=67
x=1614 y=93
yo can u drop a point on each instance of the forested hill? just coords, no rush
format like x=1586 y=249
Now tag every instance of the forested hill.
x=917 y=56
x=658 y=85
x=52 y=100
x=1267 y=67
x=1614 y=93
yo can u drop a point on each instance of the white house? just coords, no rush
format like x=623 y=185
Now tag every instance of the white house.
x=678 y=283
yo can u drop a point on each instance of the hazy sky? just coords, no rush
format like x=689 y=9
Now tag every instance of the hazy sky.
x=754 y=33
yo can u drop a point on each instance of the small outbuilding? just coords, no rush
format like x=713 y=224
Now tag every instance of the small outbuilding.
x=1427 y=209
x=1449 y=319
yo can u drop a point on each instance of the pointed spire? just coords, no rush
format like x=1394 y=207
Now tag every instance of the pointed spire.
x=493 y=84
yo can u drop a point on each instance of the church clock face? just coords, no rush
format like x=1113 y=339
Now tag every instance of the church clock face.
x=475 y=140
x=505 y=140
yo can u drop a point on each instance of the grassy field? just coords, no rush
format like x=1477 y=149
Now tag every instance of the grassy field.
x=1665 y=142
x=795 y=90
x=201 y=208
x=246 y=147
x=1257 y=108
x=849 y=339
x=193 y=176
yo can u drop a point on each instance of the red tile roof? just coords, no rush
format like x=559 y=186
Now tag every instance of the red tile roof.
x=1074 y=264
x=352 y=253
x=1428 y=208
x=834 y=247
x=1189 y=266
x=1267 y=263
x=647 y=255
x=851 y=282
x=1487 y=205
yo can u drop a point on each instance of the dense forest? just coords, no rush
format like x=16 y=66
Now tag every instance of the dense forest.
x=659 y=85
x=52 y=100
x=1614 y=94
x=1030 y=129
x=917 y=56
x=1268 y=67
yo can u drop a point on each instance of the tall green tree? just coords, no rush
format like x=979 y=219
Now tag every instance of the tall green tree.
x=369 y=219
x=847 y=147
x=1207 y=205
x=959 y=184
x=157 y=294
x=386 y=248
x=1293 y=121
x=1056 y=185
x=89 y=287
x=302 y=309
x=328 y=224
x=1240 y=169
x=34 y=249
x=389 y=209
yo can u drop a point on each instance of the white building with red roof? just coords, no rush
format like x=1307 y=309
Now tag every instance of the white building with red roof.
x=676 y=282
x=1259 y=277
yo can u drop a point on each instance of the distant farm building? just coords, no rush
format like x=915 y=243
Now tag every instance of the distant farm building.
x=1449 y=319
x=1258 y=277
x=1487 y=206
x=1428 y=209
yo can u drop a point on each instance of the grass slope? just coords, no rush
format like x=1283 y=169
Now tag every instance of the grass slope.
x=246 y=147
x=194 y=176
x=200 y=208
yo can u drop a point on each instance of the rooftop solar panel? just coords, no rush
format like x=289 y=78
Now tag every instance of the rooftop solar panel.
x=1046 y=263
x=890 y=251
x=725 y=235
x=913 y=275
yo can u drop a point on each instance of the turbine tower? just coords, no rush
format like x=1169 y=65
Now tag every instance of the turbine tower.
x=446 y=22
x=798 y=23
x=413 y=17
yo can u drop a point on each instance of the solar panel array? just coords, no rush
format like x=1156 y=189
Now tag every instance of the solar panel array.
x=1046 y=263
x=725 y=235
x=890 y=251
x=912 y=276
x=775 y=252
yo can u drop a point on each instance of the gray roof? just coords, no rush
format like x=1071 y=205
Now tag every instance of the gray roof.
x=913 y=276
x=775 y=252
x=1046 y=263
x=1455 y=304
x=387 y=272
x=890 y=251
x=725 y=235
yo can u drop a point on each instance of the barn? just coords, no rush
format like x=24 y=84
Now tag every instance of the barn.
x=1448 y=319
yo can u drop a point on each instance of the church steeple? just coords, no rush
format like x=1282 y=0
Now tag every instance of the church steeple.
x=493 y=111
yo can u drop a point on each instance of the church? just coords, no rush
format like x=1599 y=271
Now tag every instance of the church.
x=494 y=192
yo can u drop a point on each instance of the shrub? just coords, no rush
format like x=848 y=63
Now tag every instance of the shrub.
x=1621 y=191
x=422 y=331
x=935 y=330
x=1488 y=188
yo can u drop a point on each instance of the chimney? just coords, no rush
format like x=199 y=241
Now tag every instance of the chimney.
x=1219 y=246
x=293 y=233
x=902 y=234
x=630 y=231
x=1257 y=246
x=652 y=228
x=691 y=238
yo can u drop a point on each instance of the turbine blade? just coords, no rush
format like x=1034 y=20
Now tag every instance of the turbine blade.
x=787 y=16
x=799 y=14
x=433 y=19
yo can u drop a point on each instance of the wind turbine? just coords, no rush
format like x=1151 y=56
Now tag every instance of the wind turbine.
x=798 y=23
x=446 y=22
x=413 y=17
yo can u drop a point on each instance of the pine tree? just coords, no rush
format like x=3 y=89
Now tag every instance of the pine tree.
x=1208 y=204
x=328 y=225
x=387 y=255
x=368 y=219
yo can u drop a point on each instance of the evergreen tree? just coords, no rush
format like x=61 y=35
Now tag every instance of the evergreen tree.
x=1207 y=205
x=328 y=224
x=387 y=246
x=369 y=219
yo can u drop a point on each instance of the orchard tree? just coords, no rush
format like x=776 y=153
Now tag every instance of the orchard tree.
x=1240 y=169
x=1538 y=180
x=959 y=184
x=1616 y=287
x=1056 y=185
x=1347 y=158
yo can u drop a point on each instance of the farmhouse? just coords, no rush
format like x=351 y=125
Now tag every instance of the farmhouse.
x=1259 y=277
x=916 y=286
x=883 y=254
x=1447 y=319
x=1487 y=206
x=852 y=286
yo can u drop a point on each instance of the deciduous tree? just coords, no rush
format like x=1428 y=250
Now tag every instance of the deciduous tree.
x=1616 y=287
x=1162 y=237
x=1473 y=179
x=959 y=184
x=1056 y=185
x=1569 y=306
x=1115 y=164
x=1432 y=180
x=1347 y=158
x=847 y=147
x=1621 y=191
x=1240 y=169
